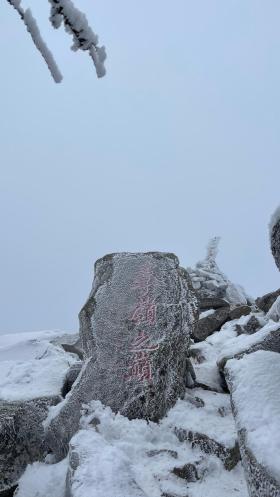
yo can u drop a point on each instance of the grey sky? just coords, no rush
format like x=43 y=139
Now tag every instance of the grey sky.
x=178 y=143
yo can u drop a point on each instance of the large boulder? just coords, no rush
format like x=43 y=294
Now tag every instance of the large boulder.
x=275 y=236
x=135 y=329
x=21 y=438
x=253 y=383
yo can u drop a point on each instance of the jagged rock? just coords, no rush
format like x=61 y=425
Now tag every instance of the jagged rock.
x=239 y=311
x=230 y=456
x=188 y=472
x=264 y=303
x=135 y=330
x=208 y=325
x=257 y=414
x=269 y=341
x=211 y=303
x=275 y=236
x=70 y=343
x=70 y=378
x=21 y=437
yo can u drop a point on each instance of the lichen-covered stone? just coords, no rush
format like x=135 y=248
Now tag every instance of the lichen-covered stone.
x=135 y=329
x=21 y=437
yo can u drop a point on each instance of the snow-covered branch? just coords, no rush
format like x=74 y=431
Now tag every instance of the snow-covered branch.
x=32 y=28
x=75 y=23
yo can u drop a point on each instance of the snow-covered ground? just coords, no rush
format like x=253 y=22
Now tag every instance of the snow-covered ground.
x=31 y=366
x=258 y=408
x=118 y=457
x=122 y=458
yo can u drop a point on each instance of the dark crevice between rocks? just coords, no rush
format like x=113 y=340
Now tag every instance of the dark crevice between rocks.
x=10 y=492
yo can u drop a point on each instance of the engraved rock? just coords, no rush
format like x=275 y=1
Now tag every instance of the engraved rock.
x=135 y=331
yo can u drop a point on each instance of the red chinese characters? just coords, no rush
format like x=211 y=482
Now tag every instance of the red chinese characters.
x=144 y=313
x=140 y=366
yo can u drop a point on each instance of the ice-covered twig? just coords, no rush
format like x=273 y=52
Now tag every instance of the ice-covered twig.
x=76 y=24
x=32 y=28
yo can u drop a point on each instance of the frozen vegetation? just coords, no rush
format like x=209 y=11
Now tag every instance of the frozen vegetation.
x=75 y=23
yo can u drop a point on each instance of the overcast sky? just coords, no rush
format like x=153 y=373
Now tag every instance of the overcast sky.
x=178 y=143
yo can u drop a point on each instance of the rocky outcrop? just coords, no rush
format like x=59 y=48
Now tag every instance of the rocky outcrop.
x=21 y=437
x=260 y=455
x=135 y=329
x=275 y=236
x=265 y=303
x=211 y=283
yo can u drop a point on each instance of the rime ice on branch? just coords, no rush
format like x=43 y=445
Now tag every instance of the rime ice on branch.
x=75 y=23
x=32 y=28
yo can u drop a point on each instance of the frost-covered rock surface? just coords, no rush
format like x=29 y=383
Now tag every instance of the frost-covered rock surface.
x=210 y=282
x=135 y=329
x=274 y=229
x=255 y=396
x=32 y=372
x=21 y=437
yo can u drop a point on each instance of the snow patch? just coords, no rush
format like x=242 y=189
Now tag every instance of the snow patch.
x=256 y=396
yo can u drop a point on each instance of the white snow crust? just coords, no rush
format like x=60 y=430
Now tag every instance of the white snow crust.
x=31 y=367
x=256 y=396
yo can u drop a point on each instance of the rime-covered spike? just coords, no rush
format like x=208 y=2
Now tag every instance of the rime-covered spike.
x=212 y=248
